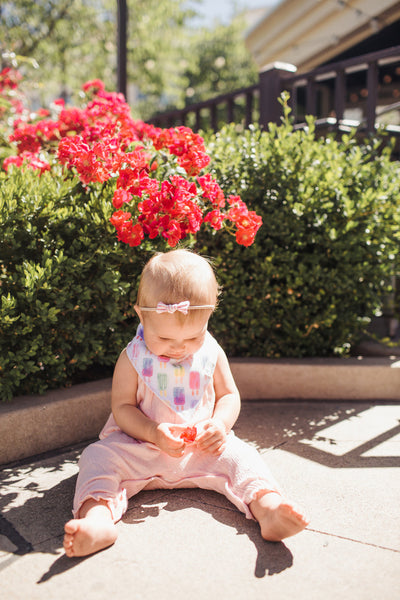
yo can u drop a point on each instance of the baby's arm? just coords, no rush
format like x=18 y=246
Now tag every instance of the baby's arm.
x=131 y=419
x=226 y=411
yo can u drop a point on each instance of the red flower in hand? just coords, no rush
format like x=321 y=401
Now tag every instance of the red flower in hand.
x=189 y=434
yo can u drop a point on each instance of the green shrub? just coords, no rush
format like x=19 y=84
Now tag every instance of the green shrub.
x=308 y=286
x=322 y=260
x=66 y=283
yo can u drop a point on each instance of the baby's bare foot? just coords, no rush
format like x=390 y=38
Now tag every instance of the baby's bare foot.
x=284 y=521
x=278 y=517
x=88 y=535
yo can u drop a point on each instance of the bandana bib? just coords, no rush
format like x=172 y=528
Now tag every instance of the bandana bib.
x=180 y=384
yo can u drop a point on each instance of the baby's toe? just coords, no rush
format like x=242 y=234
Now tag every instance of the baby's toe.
x=69 y=551
x=71 y=527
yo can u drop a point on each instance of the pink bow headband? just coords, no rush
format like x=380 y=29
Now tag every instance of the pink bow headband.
x=182 y=307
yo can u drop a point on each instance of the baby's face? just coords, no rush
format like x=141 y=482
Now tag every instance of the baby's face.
x=166 y=336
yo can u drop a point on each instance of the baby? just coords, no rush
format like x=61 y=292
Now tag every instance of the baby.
x=174 y=403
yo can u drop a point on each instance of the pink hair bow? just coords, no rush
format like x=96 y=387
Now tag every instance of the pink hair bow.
x=182 y=307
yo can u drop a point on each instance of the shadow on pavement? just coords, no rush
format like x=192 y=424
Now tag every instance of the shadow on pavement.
x=272 y=557
x=36 y=496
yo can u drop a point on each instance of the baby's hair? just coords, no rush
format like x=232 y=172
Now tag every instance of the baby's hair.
x=178 y=276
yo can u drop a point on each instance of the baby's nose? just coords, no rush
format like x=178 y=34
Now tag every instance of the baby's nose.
x=179 y=344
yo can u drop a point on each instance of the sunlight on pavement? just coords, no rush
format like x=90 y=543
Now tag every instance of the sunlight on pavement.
x=360 y=429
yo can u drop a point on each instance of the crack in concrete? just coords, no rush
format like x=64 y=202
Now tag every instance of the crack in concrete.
x=342 y=537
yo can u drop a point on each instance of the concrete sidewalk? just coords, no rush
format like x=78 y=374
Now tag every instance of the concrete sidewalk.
x=30 y=425
x=339 y=459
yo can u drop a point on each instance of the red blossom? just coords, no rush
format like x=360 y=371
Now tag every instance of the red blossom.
x=17 y=106
x=71 y=120
x=26 y=138
x=245 y=237
x=102 y=142
x=247 y=222
x=212 y=190
x=94 y=85
x=13 y=160
x=127 y=232
x=121 y=196
x=9 y=78
x=215 y=218
x=32 y=161
x=43 y=112
x=189 y=434
x=136 y=181
x=38 y=164
x=138 y=158
x=193 y=161
x=172 y=232
x=171 y=211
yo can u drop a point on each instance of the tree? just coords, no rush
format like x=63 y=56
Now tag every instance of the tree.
x=170 y=60
x=222 y=63
x=71 y=40
x=159 y=50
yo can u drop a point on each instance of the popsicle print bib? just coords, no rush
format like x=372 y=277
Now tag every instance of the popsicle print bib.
x=179 y=384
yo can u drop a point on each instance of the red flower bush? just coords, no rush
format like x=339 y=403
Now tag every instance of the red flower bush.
x=159 y=188
x=33 y=161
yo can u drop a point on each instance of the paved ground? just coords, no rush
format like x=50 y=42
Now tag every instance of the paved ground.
x=340 y=460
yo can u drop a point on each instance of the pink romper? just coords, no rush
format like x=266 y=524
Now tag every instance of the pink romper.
x=118 y=466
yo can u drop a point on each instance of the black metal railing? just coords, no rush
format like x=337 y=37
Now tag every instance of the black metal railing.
x=368 y=84
x=197 y=114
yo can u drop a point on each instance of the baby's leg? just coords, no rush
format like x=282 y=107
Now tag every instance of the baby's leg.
x=277 y=517
x=99 y=500
x=92 y=531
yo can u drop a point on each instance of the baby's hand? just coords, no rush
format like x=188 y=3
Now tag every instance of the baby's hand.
x=212 y=438
x=168 y=439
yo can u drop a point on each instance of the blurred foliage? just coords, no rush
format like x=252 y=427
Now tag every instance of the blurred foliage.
x=71 y=40
x=170 y=60
x=223 y=64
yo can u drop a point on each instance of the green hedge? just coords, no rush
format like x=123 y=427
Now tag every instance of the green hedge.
x=66 y=283
x=322 y=260
x=307 y=287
